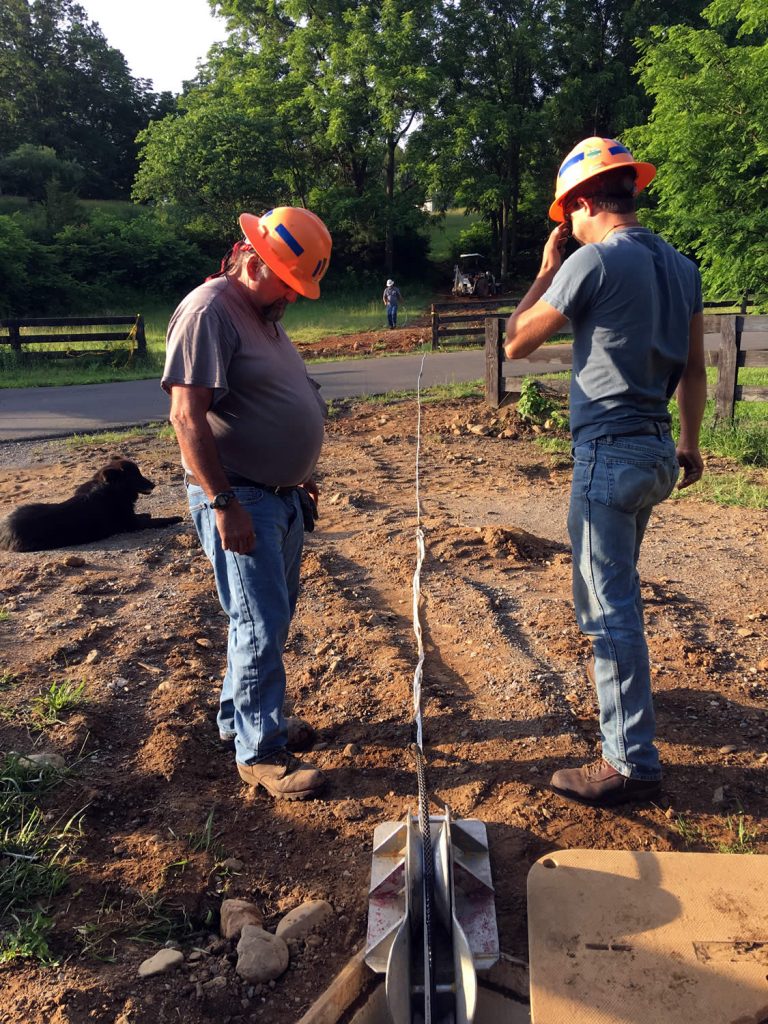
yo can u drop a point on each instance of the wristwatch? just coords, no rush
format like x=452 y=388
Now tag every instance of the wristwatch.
x=222 y=499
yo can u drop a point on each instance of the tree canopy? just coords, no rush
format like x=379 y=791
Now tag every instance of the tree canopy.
x=63 y=87
x=708 y=133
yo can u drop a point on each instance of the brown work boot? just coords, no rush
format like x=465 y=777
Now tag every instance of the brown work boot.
x=301 y=735
x=283 y=776
x=600 y=785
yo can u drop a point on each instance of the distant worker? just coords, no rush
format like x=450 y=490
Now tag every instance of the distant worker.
x=392 y=298
x=635 y=306
x=250 y=422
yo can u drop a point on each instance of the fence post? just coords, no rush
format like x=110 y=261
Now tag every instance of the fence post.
x=14 y=335
x=141 y=337
x=727 y=367
x=435 y=325
x=493 y=357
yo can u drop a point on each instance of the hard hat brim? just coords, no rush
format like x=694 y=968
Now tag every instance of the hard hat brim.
x=251 y=227
x=645 y=175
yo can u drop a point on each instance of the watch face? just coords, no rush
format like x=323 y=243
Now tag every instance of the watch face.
x=222 y=500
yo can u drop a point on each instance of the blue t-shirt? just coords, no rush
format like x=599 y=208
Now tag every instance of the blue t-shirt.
x=630 y=300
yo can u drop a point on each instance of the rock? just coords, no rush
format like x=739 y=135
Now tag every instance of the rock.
x=218 y=983
x=477 y=428
x=233 y=864
x=302 y=921
x=729 y=748
x=719 y=795
x=90 y=657
x=236 y=914
x=203 y=641
x=74 y=561
x=260 y=956
x=46 y=759
x=350 y=750
x=161 y=963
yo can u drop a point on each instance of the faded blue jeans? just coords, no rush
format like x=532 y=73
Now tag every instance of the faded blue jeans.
x=392 y=314
x=616 y=483
x=258 y=592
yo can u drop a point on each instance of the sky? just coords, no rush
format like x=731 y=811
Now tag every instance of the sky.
x=160 y=39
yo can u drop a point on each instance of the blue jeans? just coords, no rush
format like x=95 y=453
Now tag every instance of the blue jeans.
x=392 y=315
x=258 y=591
x=616 y=483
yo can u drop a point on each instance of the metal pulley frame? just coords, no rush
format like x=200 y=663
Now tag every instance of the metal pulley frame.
x=431 y=911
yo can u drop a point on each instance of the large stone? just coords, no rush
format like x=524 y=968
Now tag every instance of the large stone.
x=45 y=759
x=235 y=914
x=261 y=956
x=161 y=963
x=300 y=922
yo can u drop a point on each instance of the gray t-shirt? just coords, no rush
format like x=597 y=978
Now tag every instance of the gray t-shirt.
x=630 y=300
x=266 y=415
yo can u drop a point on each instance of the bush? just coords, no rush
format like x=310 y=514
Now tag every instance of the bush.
x=28 y=170
x=476 y=238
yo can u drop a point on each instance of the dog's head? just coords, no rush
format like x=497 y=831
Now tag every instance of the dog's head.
x=123 y=473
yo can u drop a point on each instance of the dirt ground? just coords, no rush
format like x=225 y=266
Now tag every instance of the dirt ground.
x=398 y=341
x=505 y=703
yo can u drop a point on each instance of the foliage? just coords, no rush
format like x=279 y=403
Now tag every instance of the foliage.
x=29 y=169
x=62 y=86
x=537 y=407
x=75 y=261
x=59 y=697
x=708 y=133
x=35 y=853
x=310 y=106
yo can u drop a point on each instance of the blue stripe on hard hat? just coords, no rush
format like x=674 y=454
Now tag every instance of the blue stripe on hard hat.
x=619 y=149
x=317 y=268
x=289 y=239
x=570 y=163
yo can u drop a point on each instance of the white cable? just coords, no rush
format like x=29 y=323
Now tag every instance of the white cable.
x=418 y=673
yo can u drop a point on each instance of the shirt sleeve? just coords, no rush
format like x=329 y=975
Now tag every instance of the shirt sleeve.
x=577 y=282
x=199 y=349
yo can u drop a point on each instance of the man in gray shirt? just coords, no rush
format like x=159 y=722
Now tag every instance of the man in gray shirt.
x=635 y=306
x=249 y=423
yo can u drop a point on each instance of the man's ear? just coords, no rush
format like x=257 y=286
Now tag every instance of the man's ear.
x=253 y=266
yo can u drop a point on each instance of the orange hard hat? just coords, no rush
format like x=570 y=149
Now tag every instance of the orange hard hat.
x=588 y=159
x=294 y=243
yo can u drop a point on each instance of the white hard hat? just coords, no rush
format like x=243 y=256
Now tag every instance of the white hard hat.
x=390 y=282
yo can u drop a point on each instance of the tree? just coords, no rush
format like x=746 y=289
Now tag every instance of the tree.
x=708 y=134
x=28 y=170
x=63 y=86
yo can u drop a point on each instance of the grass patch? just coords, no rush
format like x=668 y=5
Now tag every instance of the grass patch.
x=438 y=393
x=445 y=230
x=149 y=919
x=161 y=431
x=736 y=489
x=4 y=615
x=35 y=855
x=739 y=837
x=57 y=699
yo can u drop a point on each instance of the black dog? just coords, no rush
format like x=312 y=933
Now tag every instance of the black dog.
x=100 y=507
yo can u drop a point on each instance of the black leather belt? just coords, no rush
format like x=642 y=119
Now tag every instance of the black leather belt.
x=658 y=427
x=241 y=481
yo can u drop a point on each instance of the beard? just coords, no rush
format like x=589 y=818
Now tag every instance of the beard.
x=274 y=311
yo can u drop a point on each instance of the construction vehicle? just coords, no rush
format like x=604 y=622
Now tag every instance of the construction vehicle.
x=472 y=276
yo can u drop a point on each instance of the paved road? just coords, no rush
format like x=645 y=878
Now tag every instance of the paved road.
x=34 y=413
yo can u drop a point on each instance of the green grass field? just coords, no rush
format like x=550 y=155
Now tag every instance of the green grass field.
x=444 y=231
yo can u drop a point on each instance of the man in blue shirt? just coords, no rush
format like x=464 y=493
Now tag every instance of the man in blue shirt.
x=635 y=307
x=391 y=299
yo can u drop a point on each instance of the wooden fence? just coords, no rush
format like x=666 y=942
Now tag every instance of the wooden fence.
x=723 y=342
x=133 y=330
x=471 y=313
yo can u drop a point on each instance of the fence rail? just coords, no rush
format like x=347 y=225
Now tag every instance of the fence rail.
x=723 y=340
x=473 y=316
x=15 y=326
